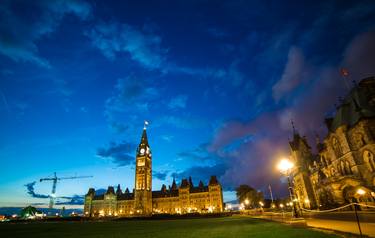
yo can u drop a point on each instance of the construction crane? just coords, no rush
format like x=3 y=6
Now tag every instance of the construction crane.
x=54 y=182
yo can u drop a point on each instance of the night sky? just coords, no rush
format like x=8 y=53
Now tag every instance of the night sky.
x=218 y=82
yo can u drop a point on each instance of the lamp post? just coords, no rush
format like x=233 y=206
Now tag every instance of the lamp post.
x=360 y=192
x=285 y=166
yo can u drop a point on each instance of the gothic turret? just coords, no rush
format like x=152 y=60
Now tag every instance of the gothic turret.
x=174 y=186
x=118 y=190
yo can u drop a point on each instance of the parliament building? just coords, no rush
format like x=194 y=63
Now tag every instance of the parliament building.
x=185 y=198
x=342 y=170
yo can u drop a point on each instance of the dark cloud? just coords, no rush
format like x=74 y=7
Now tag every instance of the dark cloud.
x=131 y=96
x=31 y=191
x=161 y=175
x=254 y=162
x=178 y=102
x=142 y=46
x=296 y=71
x=20 y=31
x=181 y=121
x=121 y=154
x=118 y=127
x=359 y=56
x=204 y=173
x=73 y=200
x=100 y=191
x=210 y=163
x=199 y=153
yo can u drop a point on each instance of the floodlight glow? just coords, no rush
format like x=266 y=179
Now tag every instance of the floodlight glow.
x=285 y=165
x=361 y=191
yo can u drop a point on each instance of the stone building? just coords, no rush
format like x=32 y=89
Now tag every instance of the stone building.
x=142 y=201
x=343 y=168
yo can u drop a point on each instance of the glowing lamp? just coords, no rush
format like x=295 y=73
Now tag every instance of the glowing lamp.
x=361 y=192
x=285 y=166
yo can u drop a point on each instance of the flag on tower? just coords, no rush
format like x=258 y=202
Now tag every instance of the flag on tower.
x=344 y=72
x=145 y=124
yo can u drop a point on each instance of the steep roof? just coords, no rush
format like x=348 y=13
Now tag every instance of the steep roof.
x=110 y=190
x=167 y=193
x=125 y=196
x=213 y=181
x=297 y=140
x=144 y=140
x=357 y=105
x=184 y=183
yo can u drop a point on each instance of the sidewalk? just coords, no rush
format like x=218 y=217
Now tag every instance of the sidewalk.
x=344 y=226
x=331 y=223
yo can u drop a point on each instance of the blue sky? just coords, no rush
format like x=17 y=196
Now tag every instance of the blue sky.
x=219 y=82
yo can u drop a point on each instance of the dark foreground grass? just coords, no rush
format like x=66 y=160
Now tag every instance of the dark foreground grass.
x=206 y=227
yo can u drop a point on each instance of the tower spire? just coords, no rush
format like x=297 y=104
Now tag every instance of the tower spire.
x=144 y=140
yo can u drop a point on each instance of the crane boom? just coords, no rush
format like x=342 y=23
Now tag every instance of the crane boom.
x=54 y=183
x=74 y=177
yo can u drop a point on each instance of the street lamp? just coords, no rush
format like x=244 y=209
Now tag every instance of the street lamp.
x=285 y=166
x=362 y=192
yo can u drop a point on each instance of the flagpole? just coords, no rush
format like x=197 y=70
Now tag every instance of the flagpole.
x=269 y=187
x=345 y=75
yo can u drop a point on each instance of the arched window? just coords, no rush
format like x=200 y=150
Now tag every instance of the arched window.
x=323 y=161
x=359 y=140
x=342 y=168
x=348 y=170
x=369 y=159
x=336 y=147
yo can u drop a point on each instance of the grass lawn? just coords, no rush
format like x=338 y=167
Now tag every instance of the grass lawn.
x=204 y=227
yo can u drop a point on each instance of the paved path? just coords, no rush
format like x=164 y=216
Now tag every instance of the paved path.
x=339 y=221
x=345 y=226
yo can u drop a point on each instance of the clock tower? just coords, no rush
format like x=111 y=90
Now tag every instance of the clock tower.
x=143 y=177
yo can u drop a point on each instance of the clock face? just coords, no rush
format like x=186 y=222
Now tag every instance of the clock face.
x=142 y=151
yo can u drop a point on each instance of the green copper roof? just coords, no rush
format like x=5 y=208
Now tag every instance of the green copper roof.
x=359 y=104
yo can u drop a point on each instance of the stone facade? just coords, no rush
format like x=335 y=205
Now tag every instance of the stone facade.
x=345 y=160
x=185 y=198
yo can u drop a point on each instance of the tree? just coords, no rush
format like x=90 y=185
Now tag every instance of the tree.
x=246 y=193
